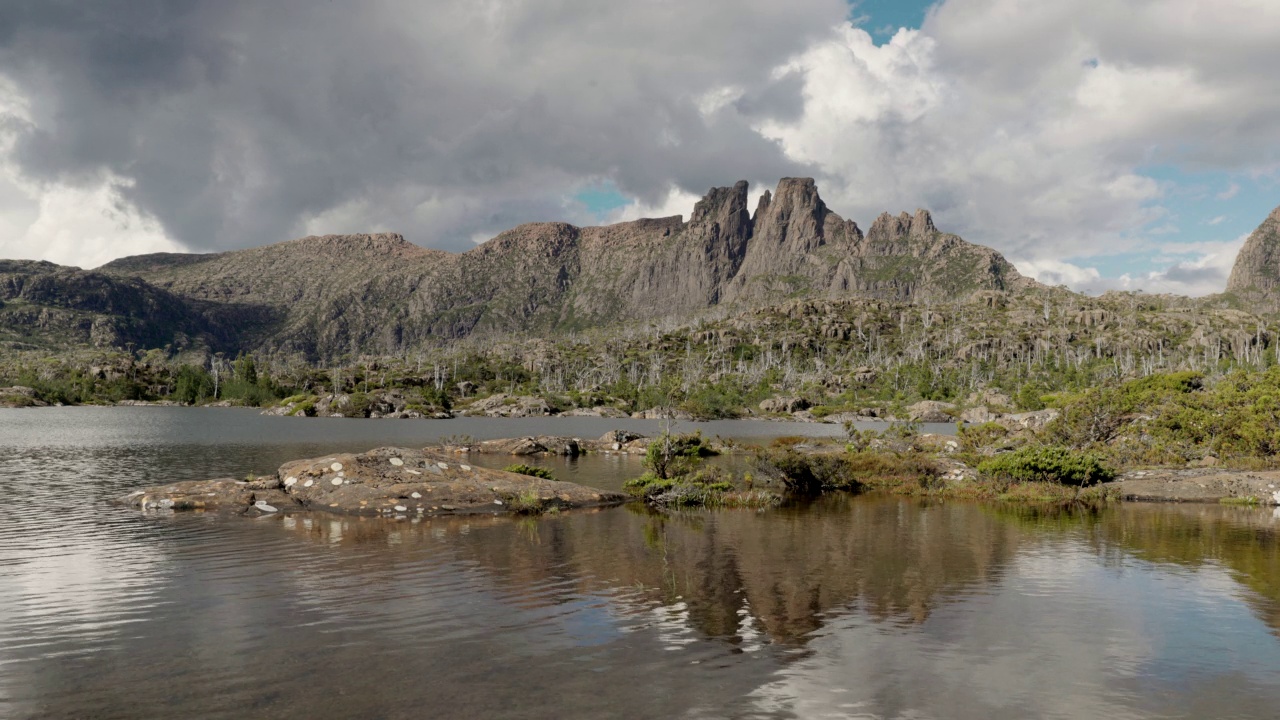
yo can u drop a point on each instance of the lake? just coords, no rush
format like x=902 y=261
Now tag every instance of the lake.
x=845 y=607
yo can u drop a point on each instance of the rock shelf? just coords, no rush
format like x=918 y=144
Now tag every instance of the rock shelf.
x=389 y=481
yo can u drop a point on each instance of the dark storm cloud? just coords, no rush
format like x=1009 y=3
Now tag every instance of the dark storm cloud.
x=239 y=122
x=782 y=99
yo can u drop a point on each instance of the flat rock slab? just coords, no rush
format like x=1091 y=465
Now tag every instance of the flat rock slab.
x=615 y=441
x=1200 y=485
x=386 y=482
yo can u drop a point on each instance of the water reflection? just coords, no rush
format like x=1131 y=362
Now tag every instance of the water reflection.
x=845 y=607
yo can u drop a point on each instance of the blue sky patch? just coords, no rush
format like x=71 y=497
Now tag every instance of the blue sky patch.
x=885 y=17
x=601 y=200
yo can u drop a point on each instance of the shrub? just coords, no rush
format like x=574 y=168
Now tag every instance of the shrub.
x=530 y=470
x=973 y=438
x=805 y=473
x=306 y=408
x=1047 y=464
x=674 y=455
x=709 y=488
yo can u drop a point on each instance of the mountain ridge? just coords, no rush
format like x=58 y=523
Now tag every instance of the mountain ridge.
x=377 y=293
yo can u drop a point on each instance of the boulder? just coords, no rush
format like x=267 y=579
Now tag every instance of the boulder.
x=540 y=445
x=398 y=482
x=621 y=437
x=931 y=411
x=977 y=415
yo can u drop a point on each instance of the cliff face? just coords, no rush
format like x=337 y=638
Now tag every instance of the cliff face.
x=330 y=296
x=1255 y=277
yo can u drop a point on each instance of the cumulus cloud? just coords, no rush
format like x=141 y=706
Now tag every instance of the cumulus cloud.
x=239 y=123
x=1023 y=125
x=1193 y=269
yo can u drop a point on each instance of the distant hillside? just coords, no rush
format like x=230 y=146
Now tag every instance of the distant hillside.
x=43 y=305
x=335 y=296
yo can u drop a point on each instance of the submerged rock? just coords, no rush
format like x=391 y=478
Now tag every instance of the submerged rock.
x=384 y=481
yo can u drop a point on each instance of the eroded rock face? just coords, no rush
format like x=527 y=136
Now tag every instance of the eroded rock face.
x=386 y=481
x=1256 y=274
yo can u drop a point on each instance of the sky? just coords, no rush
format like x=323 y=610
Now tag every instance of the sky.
x=1101 y=144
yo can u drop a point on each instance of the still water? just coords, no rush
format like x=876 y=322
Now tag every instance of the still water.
x=844 y=608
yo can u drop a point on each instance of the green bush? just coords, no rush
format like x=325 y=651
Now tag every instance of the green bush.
x=1047 y=464
x=815 y=473
x=530 y=470
x=675 y=455
x=709 y=488
x=975 y=437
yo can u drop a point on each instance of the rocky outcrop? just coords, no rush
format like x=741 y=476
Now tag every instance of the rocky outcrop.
x=1200 y=485
x=19 y=396
x=389 y=482
x=614 y=441
x=503 y=405
x=540 y=445
x=784 y=405
x=1255 y=277
x=932 y=411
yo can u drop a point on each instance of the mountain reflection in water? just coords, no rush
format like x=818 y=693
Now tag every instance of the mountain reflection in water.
x=841 y=607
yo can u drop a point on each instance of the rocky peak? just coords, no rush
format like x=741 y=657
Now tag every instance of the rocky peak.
x=1256 y=273
x=922 y=223
x=793 y=216
x=888 y=227
x=723 y=206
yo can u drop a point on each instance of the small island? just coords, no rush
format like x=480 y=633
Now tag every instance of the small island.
x=389 y=481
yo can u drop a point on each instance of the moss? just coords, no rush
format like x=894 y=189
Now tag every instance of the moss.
x=530 y=470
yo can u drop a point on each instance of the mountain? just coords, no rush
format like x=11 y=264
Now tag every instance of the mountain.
x=1255 y=277
x=45 y=305
x=327 y=297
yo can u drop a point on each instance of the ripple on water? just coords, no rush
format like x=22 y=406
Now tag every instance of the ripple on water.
x=839 y=608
